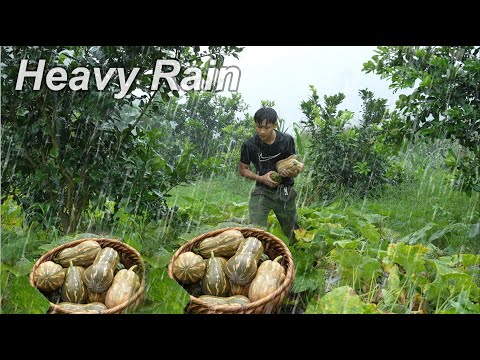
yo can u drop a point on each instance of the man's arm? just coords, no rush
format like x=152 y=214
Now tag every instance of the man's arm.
x=264 y=179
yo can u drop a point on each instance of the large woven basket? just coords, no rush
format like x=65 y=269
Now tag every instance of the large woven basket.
x=270 y=304
x=128 y=256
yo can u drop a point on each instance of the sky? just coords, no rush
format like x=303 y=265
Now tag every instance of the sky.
x=283 y=74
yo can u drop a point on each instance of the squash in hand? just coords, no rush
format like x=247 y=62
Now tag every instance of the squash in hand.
x=270 y=275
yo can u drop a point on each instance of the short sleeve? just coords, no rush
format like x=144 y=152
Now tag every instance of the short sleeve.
x=245 y=154
x=292 y=145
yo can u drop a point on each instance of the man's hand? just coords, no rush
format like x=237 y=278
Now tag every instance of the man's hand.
x=286 y=173
x=265 y=179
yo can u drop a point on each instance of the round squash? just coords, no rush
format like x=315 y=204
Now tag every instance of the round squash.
x=49 y=276
x=189 y=267
x=270 y=275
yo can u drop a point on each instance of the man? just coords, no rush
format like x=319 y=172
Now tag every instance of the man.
x=264 y=150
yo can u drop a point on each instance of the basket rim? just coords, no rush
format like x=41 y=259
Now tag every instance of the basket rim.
x=116 y=309
x=232 y=308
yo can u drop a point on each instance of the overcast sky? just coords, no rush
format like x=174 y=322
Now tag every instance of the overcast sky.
x=283 y=74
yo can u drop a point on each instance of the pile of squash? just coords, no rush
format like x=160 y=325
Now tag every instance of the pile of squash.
x=87 y=278
x=228 y=269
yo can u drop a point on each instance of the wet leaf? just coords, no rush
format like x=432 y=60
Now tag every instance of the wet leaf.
x=25 y=299
x=312 y=281
x=342 y=300
x=169 y=297
x=410 y=257
x=160 y=259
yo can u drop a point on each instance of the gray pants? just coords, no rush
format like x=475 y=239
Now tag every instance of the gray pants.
x=263 y=200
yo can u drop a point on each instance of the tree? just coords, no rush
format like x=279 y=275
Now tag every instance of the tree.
x=63 y=148
x=444 y=103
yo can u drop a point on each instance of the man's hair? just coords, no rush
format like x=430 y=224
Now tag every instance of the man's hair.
x=265 y=113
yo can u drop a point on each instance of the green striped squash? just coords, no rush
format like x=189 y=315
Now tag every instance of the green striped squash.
x=73 y=288
x=99 y=276
x=189 y=267
x=242 y=267
x=224 y=244
x=49 y=276
x=215 y=282
x=82 y=254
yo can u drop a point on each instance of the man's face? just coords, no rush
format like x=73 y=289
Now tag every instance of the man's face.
x=264 y=130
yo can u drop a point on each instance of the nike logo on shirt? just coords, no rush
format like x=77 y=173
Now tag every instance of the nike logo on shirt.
x=266 y=158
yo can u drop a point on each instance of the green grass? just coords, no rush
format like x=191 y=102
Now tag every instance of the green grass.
x=219 y=190
x=424 y=198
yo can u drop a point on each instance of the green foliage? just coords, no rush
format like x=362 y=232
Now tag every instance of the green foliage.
x=211 y=124
x=64 y=148
x=165 y=295
x=342 y=300
x=23 y=298
x=351 y=158
x=444 y=101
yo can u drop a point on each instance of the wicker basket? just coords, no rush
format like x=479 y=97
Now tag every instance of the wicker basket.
x=128 y=256
x=273 y=247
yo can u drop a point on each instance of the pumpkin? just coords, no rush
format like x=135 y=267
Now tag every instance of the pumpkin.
x=94 y=307
x=189 y=267
x=49 y=276
x=291 y=163
x=73 y=288
x=220 y=300
x=215 y=282
x=82 y=254
x=99 y=276
x=270 y=275
x=242 y=267
x=124 y=286
x=224 y=244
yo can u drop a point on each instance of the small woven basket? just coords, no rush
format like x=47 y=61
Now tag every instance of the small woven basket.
x=273 y=247
x=128 y=256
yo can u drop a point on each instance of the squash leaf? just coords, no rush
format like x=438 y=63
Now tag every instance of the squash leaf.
x=342 y=300
x=168 y=296
x=312 y=280
x=24 y=298
x=160 y=259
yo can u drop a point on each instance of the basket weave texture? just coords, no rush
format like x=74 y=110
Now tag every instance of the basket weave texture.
x=128 y=256
x=270 y=304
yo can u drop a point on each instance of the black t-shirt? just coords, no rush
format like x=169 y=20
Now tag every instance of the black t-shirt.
x=265 y=156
